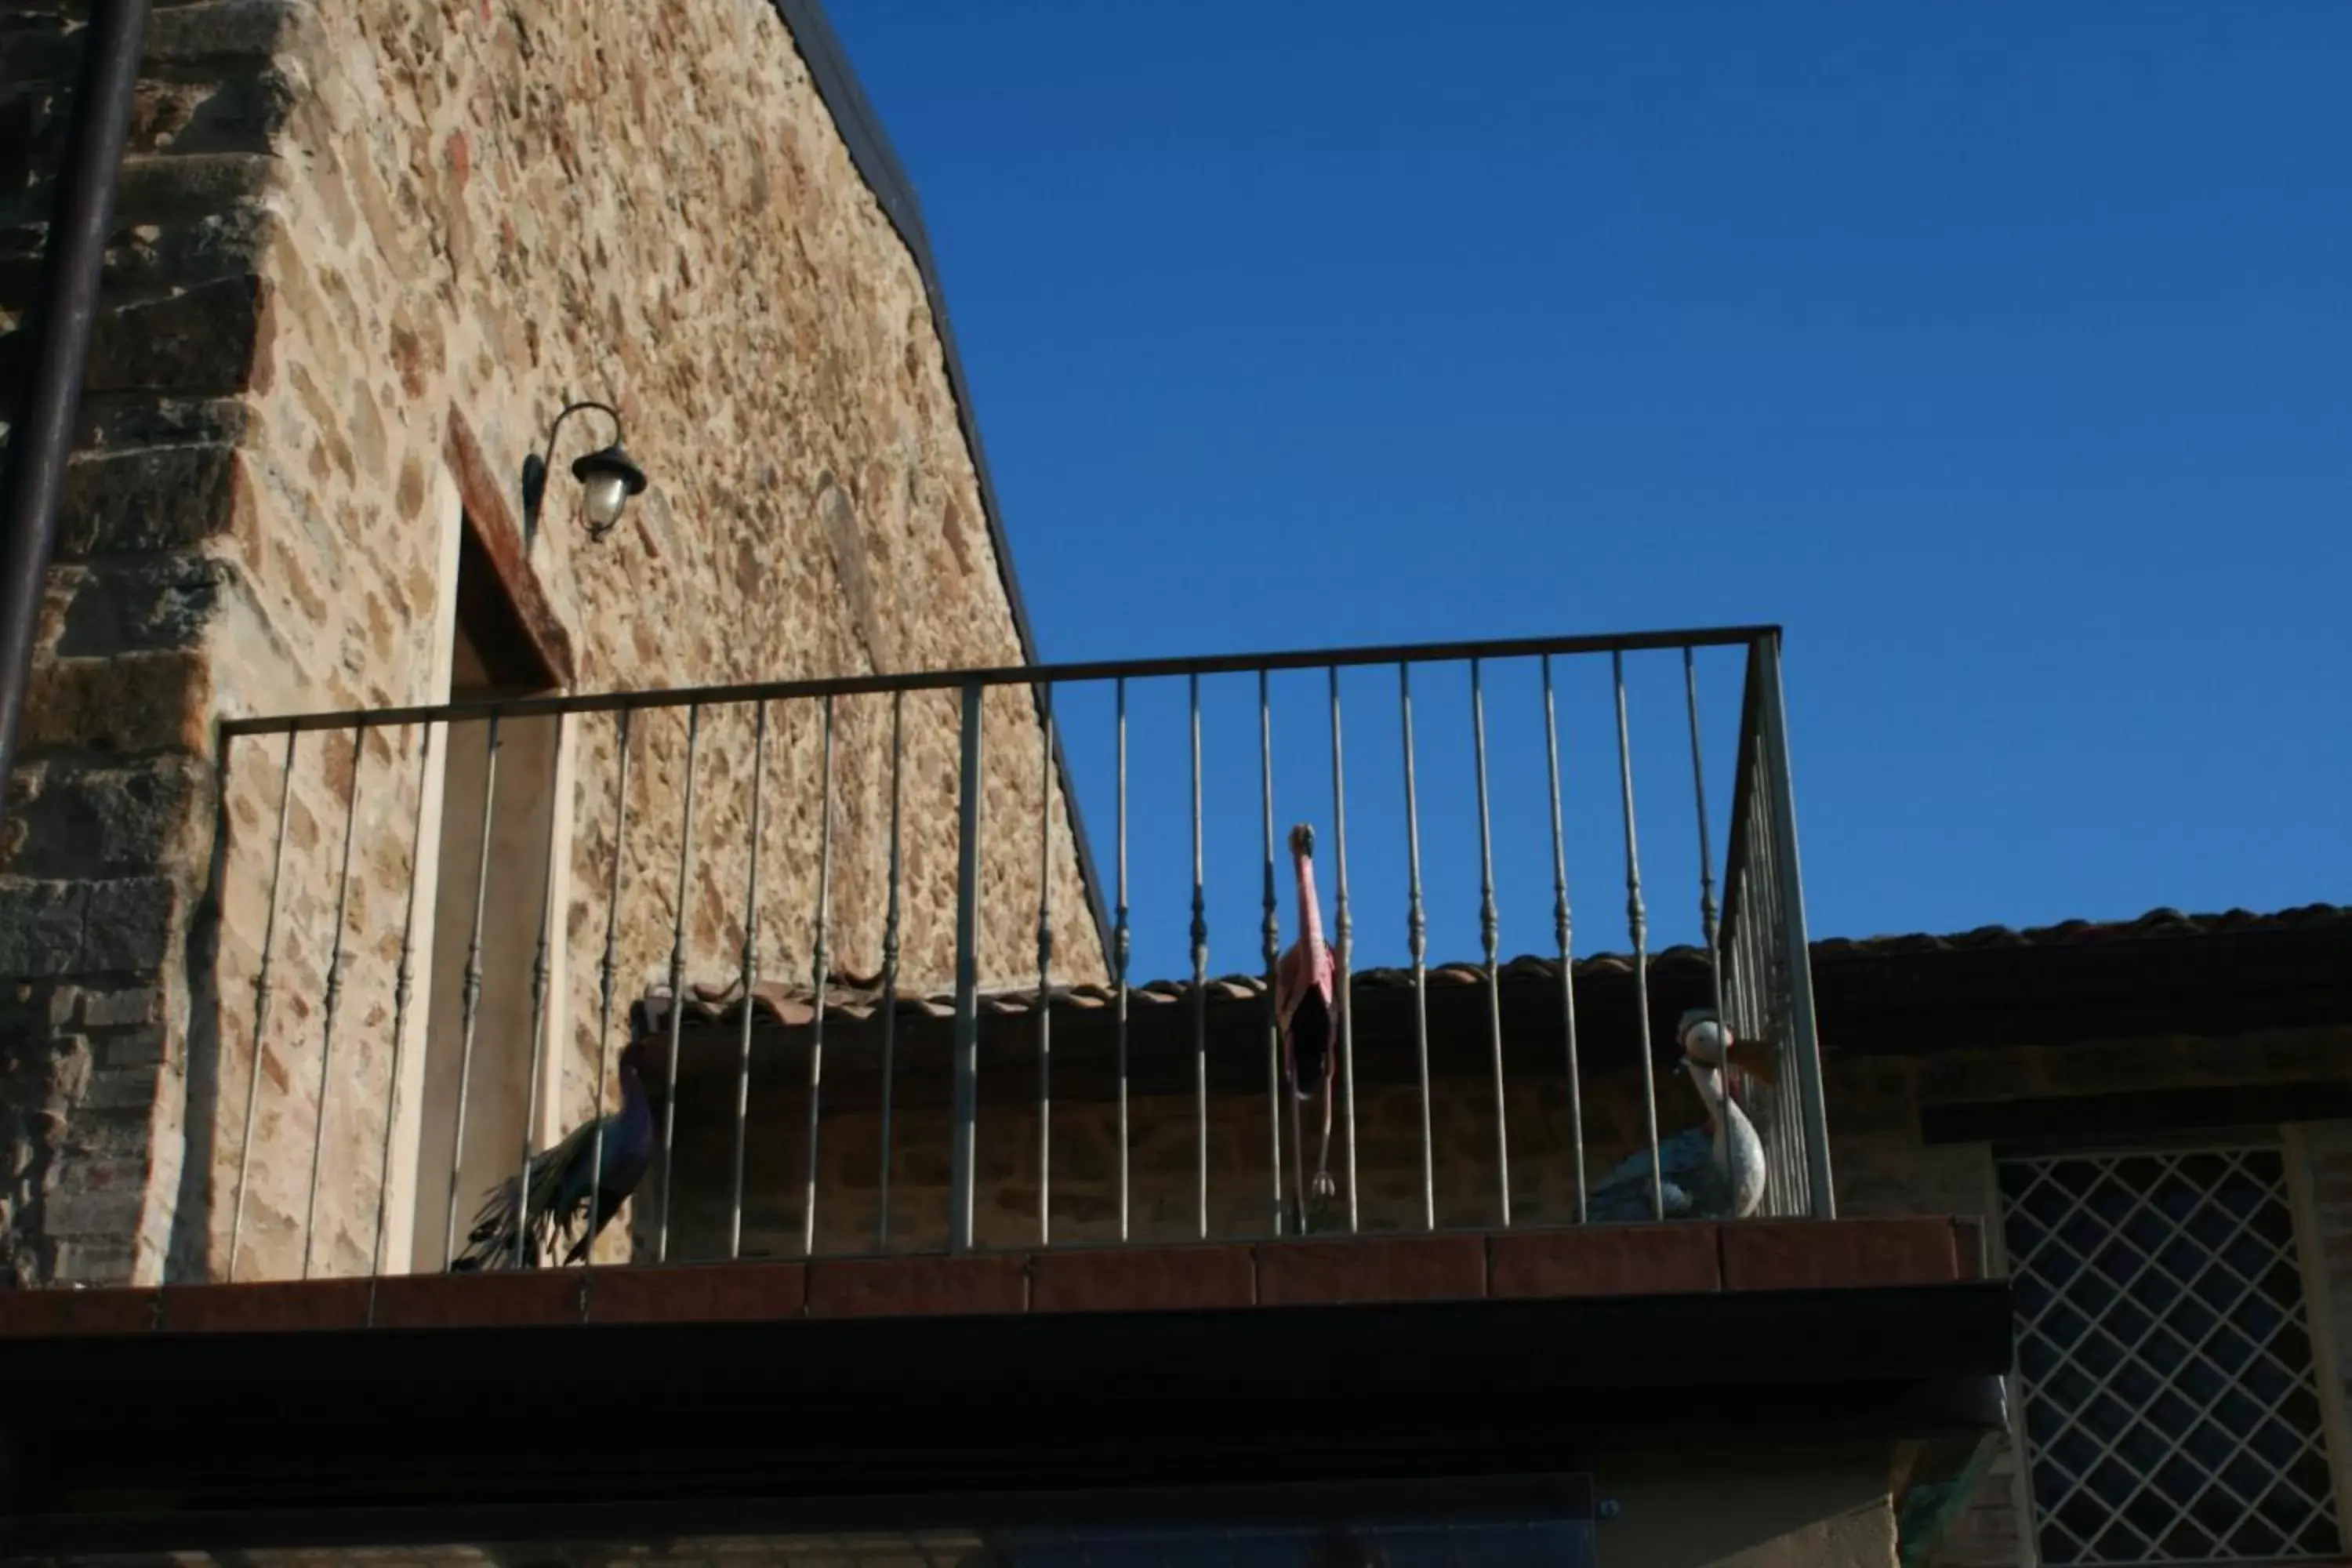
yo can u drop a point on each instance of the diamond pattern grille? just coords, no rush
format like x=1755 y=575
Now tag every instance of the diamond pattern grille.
x=2171 y=1411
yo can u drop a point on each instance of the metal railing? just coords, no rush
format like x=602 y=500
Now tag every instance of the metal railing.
x=385 y=771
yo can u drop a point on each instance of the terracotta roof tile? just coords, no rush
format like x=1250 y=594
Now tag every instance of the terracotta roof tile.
x=861 y=998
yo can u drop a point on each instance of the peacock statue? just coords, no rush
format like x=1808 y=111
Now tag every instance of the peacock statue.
x=563 y=1193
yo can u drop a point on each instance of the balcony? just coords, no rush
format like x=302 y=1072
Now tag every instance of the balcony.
x=846 y=949
x=441 y=951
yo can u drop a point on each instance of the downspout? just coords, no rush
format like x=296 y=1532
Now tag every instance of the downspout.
x=41 y=431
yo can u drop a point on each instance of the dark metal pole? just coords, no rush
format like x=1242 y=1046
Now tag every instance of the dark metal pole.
x=41 y=432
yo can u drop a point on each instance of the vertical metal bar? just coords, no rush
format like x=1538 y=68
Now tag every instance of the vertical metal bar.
x=607 y=974
x=1804 y=1041
x=1771 y=969
x=749 y=978
x=1707 y=906
x=1708 y=924
x=822 y=963
x=1770 y=979
x=536 y=1039
x=1417 y=942
x=677 y=990
x=1200 y=976
x=261 y=1005
x=1563 y=932
x=891 y=968
x=472 y=990
x=1490 y=940
x=402 y=983
x=1270 y=941
x=334 y=1000
x=967 y=1014
x=1345 y=953
x=1044 y=966
x=1120 y=943
x=1637 y=925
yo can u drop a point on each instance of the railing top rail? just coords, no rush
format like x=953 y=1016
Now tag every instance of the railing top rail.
x=1010 y=675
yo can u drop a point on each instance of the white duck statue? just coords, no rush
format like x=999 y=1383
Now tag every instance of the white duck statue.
x=1714 y=1172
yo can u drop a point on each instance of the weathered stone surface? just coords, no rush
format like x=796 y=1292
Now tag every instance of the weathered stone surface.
x=133 y=420
x=130 y=924
x=204 y=341
x=158 y=499
x=130 y=702
x=38 y=49
x=148 y=258
x=220 y=33
x=32 y=130
x=241 y=115
x=122 y=1088
x=161 y=187
x=138 y=604
x=81 y=1212
x=112 y=1009
x=81 y=819
x=40 y=926
x=133 y=1048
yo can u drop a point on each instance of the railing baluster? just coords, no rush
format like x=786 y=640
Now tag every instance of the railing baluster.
x=1270 y=940
x=471 y=991
x=891 y=968
x=1346 y=953
x=1707 y=905
x=751 y=977
x=1709 y=928
x=677 y=989
x=607 y=975
x=1044 y=966
x=404 y=979
x=1490 y=940
x=1751 y=919
x=1637 y=925
x=1200 y=977
x=1120 y=943
x=333 y=1002
x=261 y=1006
x=1563 y=932
x=967 y=1003
x=1772 y=1014
x=1804 y=1042
x=1417 y=942
x=823 y=966
x=536 y=1042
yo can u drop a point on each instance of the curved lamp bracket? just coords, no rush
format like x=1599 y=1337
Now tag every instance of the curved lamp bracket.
x=608 y=474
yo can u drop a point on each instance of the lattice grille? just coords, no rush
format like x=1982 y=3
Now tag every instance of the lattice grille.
x=2170 y=1407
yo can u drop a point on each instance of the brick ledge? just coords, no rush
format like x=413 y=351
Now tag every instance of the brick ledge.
x=1582 y=1261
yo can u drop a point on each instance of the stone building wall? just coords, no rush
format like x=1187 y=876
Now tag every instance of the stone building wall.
x=1884 y=1167
x=363 y=255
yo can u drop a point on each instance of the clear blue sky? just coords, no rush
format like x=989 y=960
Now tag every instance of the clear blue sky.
x=2002 y=353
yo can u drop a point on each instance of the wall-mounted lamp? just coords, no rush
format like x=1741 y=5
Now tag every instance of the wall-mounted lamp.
x=607 y=476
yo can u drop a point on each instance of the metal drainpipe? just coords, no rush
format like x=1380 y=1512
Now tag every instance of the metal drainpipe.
x=41 y=434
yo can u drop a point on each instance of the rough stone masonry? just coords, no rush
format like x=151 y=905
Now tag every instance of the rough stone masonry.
x=362 y=254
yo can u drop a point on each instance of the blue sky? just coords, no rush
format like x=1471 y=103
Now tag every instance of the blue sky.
x=2002 y=353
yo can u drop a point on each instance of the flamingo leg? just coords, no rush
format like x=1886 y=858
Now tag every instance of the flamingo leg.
x=1324 y=1186
x=1297 y=1167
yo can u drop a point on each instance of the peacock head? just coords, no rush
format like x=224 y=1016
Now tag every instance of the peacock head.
x=637 y=1055
x=1302 y=840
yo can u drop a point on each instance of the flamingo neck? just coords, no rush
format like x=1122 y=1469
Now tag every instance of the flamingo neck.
x=1310 y=912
